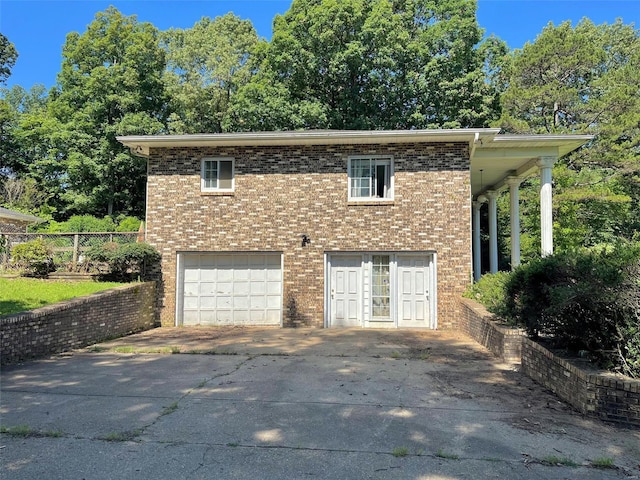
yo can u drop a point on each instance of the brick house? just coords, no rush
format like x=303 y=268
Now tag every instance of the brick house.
x=327 y=228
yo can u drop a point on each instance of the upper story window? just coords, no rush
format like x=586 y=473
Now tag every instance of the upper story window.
x=370 y=178
x=216 y=175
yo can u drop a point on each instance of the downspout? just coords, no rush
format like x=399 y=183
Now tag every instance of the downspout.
x=476 y=140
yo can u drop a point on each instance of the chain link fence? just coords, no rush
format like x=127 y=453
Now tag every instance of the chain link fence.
x=68 y=248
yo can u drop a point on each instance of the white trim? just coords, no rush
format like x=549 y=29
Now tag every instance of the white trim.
x=366 y=320
x=218 y=160
x=179 y=291
x=390 y=191
x=141 y=144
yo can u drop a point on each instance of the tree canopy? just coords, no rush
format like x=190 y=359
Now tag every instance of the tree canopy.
x=331 y=64
x=206 y=65
x=582 y=79
x=8 y=57
x=360 y=64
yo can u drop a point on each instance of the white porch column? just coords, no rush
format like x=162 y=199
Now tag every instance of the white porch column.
x=492 y=195
x=477 y=253
x=514 y=215
x=546 y=205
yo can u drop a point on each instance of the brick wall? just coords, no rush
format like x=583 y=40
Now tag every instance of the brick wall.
x=282 y=192
x=476 y=322
x=600 y=394
x=12 y=226
x=78 y=322
x=607 y=396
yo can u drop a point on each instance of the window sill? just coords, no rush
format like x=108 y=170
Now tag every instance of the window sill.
x=221 y=193
x=372 y=201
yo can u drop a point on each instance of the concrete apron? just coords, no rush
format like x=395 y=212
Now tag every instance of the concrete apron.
x=290 y=404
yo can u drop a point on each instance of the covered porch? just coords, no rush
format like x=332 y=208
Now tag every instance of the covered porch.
x=502 y=164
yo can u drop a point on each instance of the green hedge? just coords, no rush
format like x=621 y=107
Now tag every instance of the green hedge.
x=126 y=261
x=581 y=301
x=34 y=257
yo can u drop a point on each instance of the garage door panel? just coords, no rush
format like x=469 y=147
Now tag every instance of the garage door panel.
x=207 y=303
x=191 y=289
x=191 y=303
x=274 y=288
x=241 y=288
x=224 y=302
x=224 y=275
x=241 y=275
x=231 y=289
x=191 y=317
x=256 y=302
x=208 y=275
x=240 y=303
x=258 y=275
x=274 y=273
x=224 y=288
x=238 y=316
x=274 y=302
x=224 y=317
x=273 y=317
x=192 y=275
x=207 y=288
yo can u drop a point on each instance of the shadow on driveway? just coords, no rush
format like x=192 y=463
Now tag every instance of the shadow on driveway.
x=295 y=403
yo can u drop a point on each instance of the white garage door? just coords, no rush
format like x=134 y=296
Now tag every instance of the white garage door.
x=230 y=289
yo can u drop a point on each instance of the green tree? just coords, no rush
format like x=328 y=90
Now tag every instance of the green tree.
x=30 y=177
x=110 y=84
x=206 y=65
x=8 y=57
x=582 y=79
x=367 y=64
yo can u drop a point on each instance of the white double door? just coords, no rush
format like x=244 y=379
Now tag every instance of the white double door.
x=381 y=290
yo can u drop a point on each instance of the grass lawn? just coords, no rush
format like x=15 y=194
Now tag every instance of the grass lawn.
x=20 y=294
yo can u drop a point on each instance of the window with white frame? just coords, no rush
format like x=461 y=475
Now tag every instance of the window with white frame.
x=381 y=286
x=216 y=175
x=370 y=177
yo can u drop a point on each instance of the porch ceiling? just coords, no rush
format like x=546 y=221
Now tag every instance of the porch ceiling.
x=515 y=155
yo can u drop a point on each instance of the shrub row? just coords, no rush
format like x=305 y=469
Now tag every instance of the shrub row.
x=585 y=302
x=124 y=261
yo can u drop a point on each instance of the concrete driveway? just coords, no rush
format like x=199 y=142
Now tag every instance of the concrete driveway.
x=293 y=404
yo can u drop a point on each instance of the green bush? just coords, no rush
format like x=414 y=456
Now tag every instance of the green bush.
x=80 y=223
x=35 y=257
x=490 y=292
x=126 y=261
x=582 y=301
x=128 y=224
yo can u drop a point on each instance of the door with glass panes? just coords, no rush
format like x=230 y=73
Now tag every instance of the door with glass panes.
x=381 y=290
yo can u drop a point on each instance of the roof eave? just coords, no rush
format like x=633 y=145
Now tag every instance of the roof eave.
x=142 y=144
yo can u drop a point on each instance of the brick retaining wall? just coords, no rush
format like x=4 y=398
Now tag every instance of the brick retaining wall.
x=595 y=393
x=476 y=322
x=602 y=394
x=77 y=322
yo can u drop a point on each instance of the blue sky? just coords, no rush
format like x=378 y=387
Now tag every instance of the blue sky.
x=38 y=27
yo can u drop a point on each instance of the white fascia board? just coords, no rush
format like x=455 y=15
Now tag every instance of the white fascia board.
x=141 y=144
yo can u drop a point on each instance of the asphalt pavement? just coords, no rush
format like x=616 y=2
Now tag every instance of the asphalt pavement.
x=244 y=403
